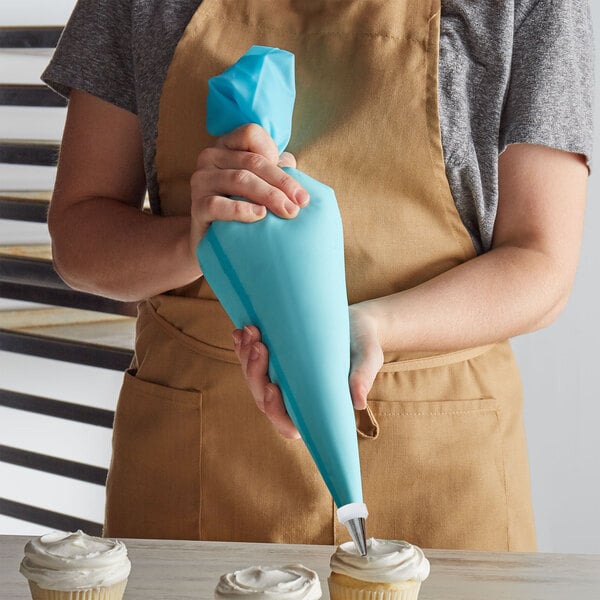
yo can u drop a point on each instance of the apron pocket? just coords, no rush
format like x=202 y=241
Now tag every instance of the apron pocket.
x=155 y=469
x=435 y=474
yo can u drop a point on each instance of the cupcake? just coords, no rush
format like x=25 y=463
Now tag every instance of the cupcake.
x=292 y=582
x=75 y=566
x=392 y=570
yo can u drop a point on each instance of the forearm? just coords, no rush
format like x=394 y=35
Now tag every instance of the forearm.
x=106 y=247
x=503 y=293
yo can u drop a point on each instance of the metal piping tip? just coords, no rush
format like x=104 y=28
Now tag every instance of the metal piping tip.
x=356 y=528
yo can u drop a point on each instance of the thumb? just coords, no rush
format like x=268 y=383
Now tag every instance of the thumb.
x=364 y=369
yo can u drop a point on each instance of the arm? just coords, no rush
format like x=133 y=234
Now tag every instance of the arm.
x=101 y=240
x=100 y=236
x=520 y=285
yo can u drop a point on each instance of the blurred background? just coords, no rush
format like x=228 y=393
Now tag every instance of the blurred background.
x=55 y=404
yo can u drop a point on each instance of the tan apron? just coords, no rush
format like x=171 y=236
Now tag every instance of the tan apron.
x=442 y=445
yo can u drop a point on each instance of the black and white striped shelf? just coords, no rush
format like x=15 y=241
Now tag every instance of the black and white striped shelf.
x=61 y=351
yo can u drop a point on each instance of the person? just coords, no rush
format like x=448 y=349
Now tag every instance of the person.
x=457 y=139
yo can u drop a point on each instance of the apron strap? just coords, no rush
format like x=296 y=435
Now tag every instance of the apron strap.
x=367 y=426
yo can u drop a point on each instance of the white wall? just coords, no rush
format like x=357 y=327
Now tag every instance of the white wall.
x=559 y=365
x=27 y=374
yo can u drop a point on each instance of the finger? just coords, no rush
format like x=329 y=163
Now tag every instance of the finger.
x=266 y=170
x=246 y=184
x=251 y=138
x=254 y=359
x=287 y=159
x=277 y=414
x=255 y=363
x=237 y=340
x=249 y=335
x=360 y=386
x=257 y=376
x=363 y=371
x=218 y=208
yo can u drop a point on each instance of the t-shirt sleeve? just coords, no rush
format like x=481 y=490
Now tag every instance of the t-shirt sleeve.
x=94 y=53
x=550 y=96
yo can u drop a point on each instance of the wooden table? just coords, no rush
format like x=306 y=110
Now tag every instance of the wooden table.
x=165 y=570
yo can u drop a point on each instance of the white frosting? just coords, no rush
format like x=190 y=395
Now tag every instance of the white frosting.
x=387 y=561
x=74 y=561
x=288 y=583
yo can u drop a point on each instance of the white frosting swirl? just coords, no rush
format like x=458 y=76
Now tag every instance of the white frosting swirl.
x=387 y=561
x=288 y=583
x=74 y=561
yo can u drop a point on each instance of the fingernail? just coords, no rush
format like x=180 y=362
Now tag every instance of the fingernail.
x=257 y=209
x=268 y=395
x=291 y=208
x=237 y=337
x=246 y=336
x=254 y=352
x=301 y=197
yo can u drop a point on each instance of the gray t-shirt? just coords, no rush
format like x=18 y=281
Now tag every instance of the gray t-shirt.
x=510 y=71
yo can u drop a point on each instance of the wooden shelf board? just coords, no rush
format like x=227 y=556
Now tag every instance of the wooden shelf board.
x=40 y=195
x=74 y=325
x=36 y=251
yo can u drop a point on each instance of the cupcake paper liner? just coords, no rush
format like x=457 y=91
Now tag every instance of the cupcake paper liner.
x=112 y=592
x=342 y=592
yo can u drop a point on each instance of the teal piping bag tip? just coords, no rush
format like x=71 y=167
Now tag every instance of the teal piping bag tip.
x=287 y=277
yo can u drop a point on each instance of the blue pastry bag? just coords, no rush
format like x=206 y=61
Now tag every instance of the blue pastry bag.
x=286 y=276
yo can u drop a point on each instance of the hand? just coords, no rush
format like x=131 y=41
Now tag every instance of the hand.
x=242 y=163
x=366 y=354
x=254 y=358
x=366 y=360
